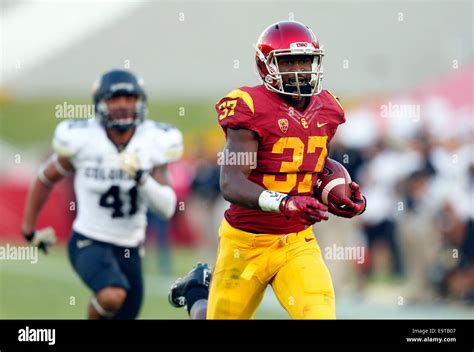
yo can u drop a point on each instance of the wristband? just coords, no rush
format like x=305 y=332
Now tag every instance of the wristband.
x=44 y=180
x=59 y=167
x=270 y=201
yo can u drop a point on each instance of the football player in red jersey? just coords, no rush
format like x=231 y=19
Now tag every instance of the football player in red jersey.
x=266 y=235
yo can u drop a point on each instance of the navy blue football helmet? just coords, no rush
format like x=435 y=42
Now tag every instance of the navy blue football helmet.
x=119 y=83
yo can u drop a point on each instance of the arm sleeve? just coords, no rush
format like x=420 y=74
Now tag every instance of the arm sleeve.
x=161 y=199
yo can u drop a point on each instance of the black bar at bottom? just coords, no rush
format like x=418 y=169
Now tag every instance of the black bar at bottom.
x=422 y=334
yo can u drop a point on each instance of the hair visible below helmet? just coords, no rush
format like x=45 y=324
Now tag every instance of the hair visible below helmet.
x=287 y=38
x=119 y=83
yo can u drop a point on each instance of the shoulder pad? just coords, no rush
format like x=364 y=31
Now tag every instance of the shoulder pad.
x=168 y=142
x=69 y=136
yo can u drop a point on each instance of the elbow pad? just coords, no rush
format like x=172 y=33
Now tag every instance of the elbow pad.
x=160 y=199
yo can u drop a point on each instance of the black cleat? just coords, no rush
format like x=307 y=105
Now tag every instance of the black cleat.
x=200 y=275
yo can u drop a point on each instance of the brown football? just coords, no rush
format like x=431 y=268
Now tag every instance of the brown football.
x=333 y=183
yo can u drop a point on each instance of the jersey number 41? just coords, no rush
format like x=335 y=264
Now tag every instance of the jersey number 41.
x=111 y=199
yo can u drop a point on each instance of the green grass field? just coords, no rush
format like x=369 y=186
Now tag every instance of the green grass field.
x=50 y=289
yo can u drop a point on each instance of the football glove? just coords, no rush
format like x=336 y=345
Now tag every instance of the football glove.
x=304 y=209
x=351 y=206
x=43 y=239
x=130 y=163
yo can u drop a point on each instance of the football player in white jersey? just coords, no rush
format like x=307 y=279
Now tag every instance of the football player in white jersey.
x=120 y=164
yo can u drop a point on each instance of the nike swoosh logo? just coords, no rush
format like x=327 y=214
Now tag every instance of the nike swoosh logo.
x=309 y=239
x=83 y=243
x=321 y=124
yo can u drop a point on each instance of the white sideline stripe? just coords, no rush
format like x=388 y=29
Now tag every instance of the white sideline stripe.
x=330 y=186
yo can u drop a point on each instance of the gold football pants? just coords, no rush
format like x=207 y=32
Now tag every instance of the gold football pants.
x=291 y=263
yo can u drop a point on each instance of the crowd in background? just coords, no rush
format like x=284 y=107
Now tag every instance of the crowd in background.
x=418 y=226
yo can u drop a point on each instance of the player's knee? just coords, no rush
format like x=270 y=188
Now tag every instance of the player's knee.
x=111 y=298
x=225 y=308
x=325 y=312
x=318 y=306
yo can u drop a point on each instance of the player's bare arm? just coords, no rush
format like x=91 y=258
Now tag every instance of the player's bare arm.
x=161 y=175
x=48 y=175
x=235 y=186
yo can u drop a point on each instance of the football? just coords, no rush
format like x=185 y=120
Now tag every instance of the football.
x=333 y=183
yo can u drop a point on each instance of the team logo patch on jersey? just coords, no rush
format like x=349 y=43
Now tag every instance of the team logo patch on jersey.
x=283 y=124
x=304 y=123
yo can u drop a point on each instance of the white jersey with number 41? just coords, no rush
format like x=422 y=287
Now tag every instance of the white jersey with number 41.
x=109 y=206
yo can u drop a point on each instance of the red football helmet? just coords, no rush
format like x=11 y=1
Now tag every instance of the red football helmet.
x=288 y=38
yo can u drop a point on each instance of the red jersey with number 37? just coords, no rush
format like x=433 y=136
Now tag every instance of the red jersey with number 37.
x=292 y=148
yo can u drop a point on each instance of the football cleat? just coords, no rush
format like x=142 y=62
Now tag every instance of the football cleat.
x=200 y=275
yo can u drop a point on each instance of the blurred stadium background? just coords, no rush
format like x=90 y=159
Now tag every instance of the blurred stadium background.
x=404 y=72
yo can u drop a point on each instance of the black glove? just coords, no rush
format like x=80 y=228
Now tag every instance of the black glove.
x=43 y=239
